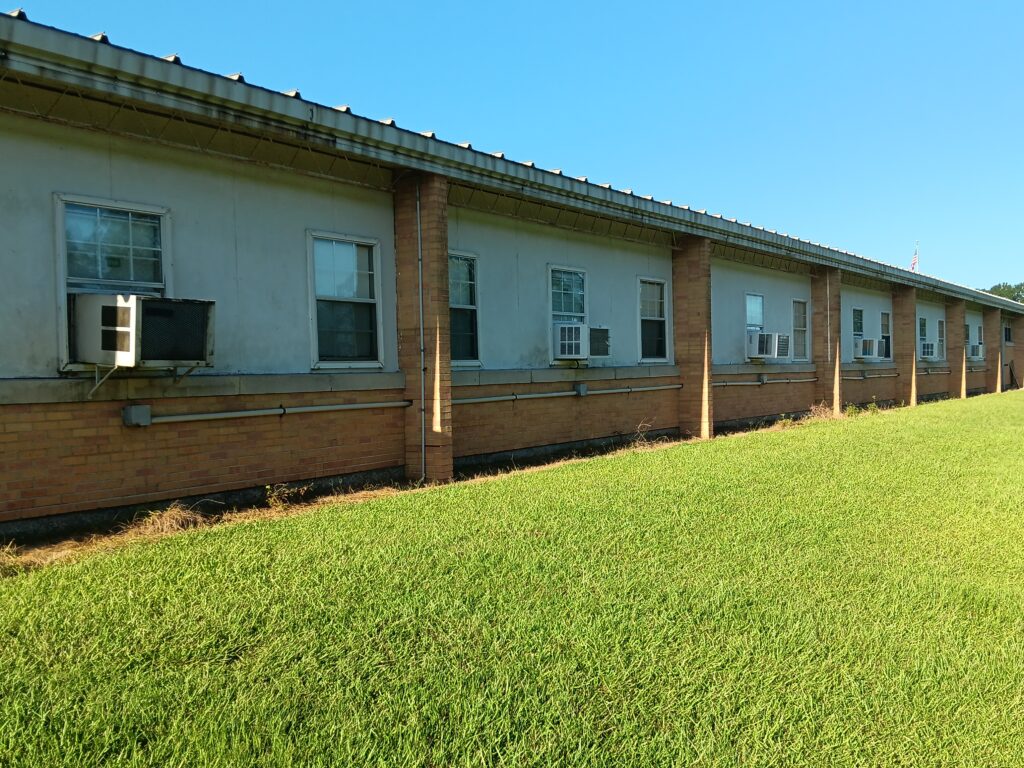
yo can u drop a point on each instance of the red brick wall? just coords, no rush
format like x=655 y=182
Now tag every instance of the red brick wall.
x=482 y=428
x=992 y=320
x=862 y=391
x=749 y=402
x=931 y=384
x=904 y=342
x=956 y=347
x=976 y=380
x=432 y=237
x=826 y=326
x=66 y=457
x=691 y=309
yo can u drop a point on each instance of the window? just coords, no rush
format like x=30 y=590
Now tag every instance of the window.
x=568 y=296
x=755 y=313
x=967 y=334
x=799 y=329
x=981 y=334
x=941 y=350
x=107 y=247
x=886 y=335
x=858 y=322
x=345 y=286
x=1008 y=334
x=653 y=322
x=462 y=306
x=922 y=329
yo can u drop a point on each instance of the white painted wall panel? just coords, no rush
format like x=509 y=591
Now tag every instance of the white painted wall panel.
x=932 y=313
x=238 y=237
x=514 y=291
x=730 y=283
x=874 y=303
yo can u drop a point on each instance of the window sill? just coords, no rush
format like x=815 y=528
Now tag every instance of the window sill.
x=654 y=361
x=462 y=364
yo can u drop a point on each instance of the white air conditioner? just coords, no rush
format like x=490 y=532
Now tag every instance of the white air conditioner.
x=762 y=346
x=571 y=341
x=976 y=351
x=143 y=331
x=866 y=349
x=928 y=350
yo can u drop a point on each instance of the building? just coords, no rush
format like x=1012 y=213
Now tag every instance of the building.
x=385 y=301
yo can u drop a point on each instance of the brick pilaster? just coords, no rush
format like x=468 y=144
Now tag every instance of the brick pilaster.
x=956 y=348
x=826 y=314
x=1017 y=323
x=691 y=305
x=992 y=320
x=904 y=342
x=435 y=408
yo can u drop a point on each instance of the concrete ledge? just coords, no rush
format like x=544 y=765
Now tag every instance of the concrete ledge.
x=550 y=375
x=73 y=389
x=769 y=368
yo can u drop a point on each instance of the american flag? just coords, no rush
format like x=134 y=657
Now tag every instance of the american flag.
x=914 y=261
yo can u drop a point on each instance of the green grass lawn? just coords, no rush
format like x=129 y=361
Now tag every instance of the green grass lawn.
x=841 y=593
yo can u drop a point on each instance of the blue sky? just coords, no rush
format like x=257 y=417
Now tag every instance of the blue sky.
x=866 y=126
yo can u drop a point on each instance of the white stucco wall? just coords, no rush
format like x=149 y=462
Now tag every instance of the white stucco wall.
x=514 y=315
x=874 y=303
x=932 y=313
x=238 y=237
x=730 y=283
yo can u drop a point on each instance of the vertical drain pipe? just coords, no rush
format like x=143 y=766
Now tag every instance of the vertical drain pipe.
x=423 y=349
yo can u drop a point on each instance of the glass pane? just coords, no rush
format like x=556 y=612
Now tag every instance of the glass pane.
x=858 y=322
x=343 y=270
x=114 y=227
x=346 y=330
x=652 y=303
x=799 y=344
x=147 y=270
x=83 y=261
x=80 y=224
x=885 y=323
x=116 y=262
x=145 y=232
x=755 y=310
x=799 y=314
x=652 y=339
x=922 y=325
x=463 y=334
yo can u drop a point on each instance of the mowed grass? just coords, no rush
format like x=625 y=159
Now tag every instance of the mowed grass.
x=841 y=593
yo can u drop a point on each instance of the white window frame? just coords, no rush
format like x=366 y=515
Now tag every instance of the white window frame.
x=857 y=336
x=641 y=279
x=746 y=325
x=551 y=306
x=374 y=243
x=1008 y=331
x=940 y=338
x=806 y=329
x=476 y=287
x=921 y=339
x=61 y=200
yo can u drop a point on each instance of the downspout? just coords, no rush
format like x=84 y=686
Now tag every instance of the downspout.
x=423 y=348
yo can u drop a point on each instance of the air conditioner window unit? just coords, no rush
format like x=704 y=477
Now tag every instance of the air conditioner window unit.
x=928 y=350
x=976 y=351
x=866 y=349
x=571 y=341
x=761 y=346
x=132 y=331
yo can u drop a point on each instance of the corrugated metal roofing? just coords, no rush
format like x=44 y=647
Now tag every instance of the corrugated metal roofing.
x=598 y=193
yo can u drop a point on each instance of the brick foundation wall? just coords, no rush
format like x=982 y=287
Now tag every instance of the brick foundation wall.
x=956 y=347
x=863 y=391
x=67 y=457
x=933 y=382
x=691 y=308
x=734 y=403
x=483 y=428
x=992 y=321
x=976 y=380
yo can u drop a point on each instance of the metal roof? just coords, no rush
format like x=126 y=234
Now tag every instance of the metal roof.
x=95 y=63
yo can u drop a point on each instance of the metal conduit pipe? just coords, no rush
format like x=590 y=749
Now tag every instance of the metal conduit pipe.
x=571 y=393
x=865 y=377
x=933 y=372
x=761 y=383
x=139 y=418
